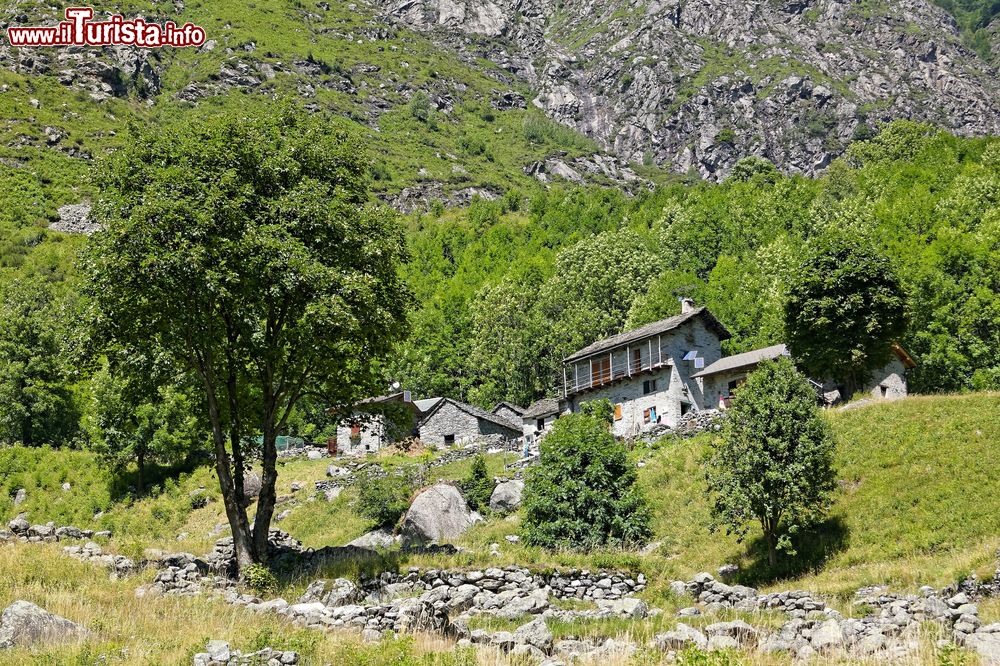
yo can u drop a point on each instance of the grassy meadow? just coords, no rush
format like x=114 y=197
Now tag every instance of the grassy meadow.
x=916 y=506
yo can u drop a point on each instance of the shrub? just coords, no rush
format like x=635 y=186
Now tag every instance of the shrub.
x=259 y=578
x=582 y=494
x=478 y=486
x=383 y=500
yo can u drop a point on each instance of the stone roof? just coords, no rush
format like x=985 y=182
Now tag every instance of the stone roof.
x=744 y=360
x=656 y=328
x=509 y=405
x=540 y=408
x=472 y=410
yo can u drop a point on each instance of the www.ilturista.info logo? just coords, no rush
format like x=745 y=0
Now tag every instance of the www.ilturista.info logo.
x=79 y=30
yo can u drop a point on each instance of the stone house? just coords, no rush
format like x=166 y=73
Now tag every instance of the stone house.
x=452 y=422
x=646 y=373
x=508 y=411
x=722 y=378
x=537 y=419
x=658 y=373
x=380 y=421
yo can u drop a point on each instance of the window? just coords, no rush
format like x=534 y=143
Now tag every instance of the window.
x=539 y=424
x=355 y=431
x=645 y=415
x=685 y=408
x=618 y=412
x=884 y=390
x=735 y=384
x=449 y=439
x=648 y=386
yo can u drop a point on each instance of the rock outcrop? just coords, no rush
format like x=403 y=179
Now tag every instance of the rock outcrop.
x=695 y=86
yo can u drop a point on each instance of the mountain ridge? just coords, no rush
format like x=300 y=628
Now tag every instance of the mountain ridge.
x=698 y=85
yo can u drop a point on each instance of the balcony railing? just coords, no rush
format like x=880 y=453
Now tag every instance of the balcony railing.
x=607 y=375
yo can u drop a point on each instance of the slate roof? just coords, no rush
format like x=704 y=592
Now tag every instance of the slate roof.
x=744 y=360
x=656 y=328
x=509 y=405
x=472 y=410
x=540 y=408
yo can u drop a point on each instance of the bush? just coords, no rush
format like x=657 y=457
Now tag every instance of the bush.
x=478 y=486
x=259 y=578
x=582 y=494
x=383 y=500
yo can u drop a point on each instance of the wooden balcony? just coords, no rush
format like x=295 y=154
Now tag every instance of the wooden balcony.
x=606 y=374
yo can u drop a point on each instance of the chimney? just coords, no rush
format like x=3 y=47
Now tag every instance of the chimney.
x=687 y=305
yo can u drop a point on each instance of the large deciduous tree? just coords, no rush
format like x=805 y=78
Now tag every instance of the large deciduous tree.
x=774 y=462
x=242 y=248
x=845 y=306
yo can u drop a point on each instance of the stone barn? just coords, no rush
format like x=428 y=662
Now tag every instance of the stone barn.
x=453 y=422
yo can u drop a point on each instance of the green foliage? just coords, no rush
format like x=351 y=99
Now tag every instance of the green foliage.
x=384 y=498
x=259 y=578
x=478 y=486
x=240 y=251
x=600 y=410
x=845 y=306
x=420 y=106
x=129 y=422
x=582 y=494
x=36 y=402
x=755 y=169
x=774 y=463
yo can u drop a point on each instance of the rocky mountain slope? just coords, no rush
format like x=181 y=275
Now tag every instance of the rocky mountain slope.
x=464 y=98
x=697 y=84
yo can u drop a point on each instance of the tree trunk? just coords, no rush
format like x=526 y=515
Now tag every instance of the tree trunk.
x=772 y=549
x=140 y=463
x=238 y=523
x=269 y=476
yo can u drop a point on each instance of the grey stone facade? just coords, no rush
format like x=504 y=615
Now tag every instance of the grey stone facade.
x=453 y=422
x=657 y=386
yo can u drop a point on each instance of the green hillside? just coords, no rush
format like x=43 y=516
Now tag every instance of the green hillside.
x=916 y=506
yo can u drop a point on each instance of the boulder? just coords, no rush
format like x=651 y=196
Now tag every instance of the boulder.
x=23 y=624
x=629 y=607
x=437 y=515
x=506 y=496
x=376 y=539
x=986 y=645
x=251 y=485
x=20 y=496
x=19 y=525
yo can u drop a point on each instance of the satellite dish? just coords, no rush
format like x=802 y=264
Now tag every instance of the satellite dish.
x=395 y=386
